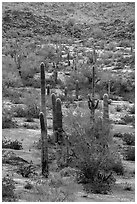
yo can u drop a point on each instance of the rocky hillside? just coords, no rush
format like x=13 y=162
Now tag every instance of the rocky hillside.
x=80 y=20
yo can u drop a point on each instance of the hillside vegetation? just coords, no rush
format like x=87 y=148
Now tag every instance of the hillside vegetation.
x=116 y=20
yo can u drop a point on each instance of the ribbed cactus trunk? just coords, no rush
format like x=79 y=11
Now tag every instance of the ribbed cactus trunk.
x=68 y=58
x=109 y=83
x=48 y=90
x=59 y=134
x=44 y=148
x=77 y=89
x=53 y=98
x=59 y=119
x=91 y=102
x=55 y=74
x=105 y=108
x=66 y=92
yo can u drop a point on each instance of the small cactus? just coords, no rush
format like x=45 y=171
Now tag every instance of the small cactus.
x=44 y=147
x=77 y=89
x=48 y=90
x=105 y=108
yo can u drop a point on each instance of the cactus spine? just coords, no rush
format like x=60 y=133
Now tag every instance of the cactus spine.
x=77 y=89
x=105 y=108
x=43 y=121
x=91 y=102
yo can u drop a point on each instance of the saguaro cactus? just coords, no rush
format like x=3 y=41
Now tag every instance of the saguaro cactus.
x=59 y=120
x=77 y=89
x=105 y=108
x=53 y=97
x=55 y=75
x=68 y=58
x=109 y=88
x=91 y=102
x=43 y=120
x=44 y=148
x=48 y=89
x=65 y=91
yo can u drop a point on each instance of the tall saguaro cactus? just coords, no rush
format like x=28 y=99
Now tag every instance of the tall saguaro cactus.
x=91 y=101
x=43 y=120
x=105 y=108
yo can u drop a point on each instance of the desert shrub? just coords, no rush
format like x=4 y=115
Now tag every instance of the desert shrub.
x=118 y=108
x=31 y=126
x=129 y=138
x=11 y=79
x=118 y=134
x=8 y=187
x=14 y=95
x=33 y=110
x=20 y=111
x=91 y=154
x=128 y=119
x=30 y=109
x=45 y=191
x=125 y=43
x=111 y=46
x=131 y=110
x=98 y=33
x=130 y=153
x=28 y=186
x=127 y=187
x=27 y=170
x=8 y=118
x=12 y=144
